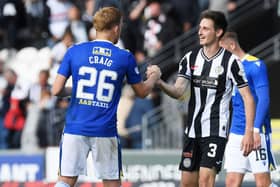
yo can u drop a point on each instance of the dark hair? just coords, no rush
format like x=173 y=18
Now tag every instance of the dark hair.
x=45 y=71
x=218 y=18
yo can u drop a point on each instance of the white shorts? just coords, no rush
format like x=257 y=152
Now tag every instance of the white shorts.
x=106 y=156
x=258 y=161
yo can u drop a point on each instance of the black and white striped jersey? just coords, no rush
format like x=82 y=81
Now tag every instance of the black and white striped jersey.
x=211 y=88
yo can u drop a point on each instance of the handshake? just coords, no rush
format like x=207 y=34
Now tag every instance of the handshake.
x=153 y=72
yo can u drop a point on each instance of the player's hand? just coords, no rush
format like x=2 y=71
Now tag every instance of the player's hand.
x=153 y=70
x=257 y=140
x=247 y=143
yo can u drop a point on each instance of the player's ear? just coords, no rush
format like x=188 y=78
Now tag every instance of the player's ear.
x=219 y=33
x=116 y=28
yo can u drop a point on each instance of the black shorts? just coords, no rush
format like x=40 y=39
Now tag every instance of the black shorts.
x=203 y=152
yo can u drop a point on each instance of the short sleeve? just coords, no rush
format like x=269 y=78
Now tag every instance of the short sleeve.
x=133 y=75
x=238 y=74
x=184 y=70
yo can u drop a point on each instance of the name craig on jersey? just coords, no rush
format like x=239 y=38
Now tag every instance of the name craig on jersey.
x=100 y=60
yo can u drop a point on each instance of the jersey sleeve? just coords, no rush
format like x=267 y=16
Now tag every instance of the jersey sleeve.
x=261 y=85
x=133 y=74
x=238 y=74
x=259 y=74
x=65 y=66
x=184 y=70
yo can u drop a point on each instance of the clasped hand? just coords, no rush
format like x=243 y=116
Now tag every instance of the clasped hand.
x=153 y=70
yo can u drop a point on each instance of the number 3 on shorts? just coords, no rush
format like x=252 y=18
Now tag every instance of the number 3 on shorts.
x=212 y=150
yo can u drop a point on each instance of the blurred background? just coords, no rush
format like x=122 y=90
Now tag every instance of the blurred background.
x=35 y=34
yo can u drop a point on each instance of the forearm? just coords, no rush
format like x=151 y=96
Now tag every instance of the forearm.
x=249 y=112
x=148 y=85
x=170 y=90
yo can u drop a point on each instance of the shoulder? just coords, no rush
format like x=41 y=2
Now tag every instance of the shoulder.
x=194 y=52
x=251 y=58
x=254 y=62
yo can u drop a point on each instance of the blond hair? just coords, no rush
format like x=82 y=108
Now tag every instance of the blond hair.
x=106 y=18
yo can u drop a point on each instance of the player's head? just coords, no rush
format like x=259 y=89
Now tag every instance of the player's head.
x=212 y=26
x=230 y=41
x=107 y=21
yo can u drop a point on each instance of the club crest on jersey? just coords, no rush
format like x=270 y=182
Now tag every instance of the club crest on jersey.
x=187 y=162
x=101 y=51
x=219 y=70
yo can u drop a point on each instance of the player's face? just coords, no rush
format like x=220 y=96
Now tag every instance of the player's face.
x=206 y=32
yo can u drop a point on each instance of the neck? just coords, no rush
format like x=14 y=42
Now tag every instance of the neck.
x=105 y=36
x=211 y=50
x=240 y=53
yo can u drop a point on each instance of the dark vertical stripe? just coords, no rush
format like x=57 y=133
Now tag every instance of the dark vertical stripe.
x=215 y=109
x=236 y=74
x=203 y=95
x=192 y=104
x=183 y=64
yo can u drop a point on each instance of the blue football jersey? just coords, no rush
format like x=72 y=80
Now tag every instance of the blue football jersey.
x=98 y=69
x=256 y=74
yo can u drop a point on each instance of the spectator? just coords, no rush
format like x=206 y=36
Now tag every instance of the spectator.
x=38 y=14
x=232 y=5
x=14 y=119
x=87 y=15
x=159 y=28
x=77 y=26
x=57 y=119
x=40 y=99
x=132 y=35
x=58 y=18
x=12 y=22
x=58 y=51
x=187 y=13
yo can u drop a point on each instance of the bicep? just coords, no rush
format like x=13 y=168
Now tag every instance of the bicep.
x=181 y=85
x=245 y=92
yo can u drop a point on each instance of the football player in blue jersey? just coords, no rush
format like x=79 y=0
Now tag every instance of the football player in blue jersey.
x=261 y=161
x=98 y=69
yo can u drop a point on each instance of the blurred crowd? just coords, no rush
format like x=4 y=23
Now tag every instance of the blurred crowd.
x=30 y=115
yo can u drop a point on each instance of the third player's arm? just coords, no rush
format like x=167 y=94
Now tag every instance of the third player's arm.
x=247 y=144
